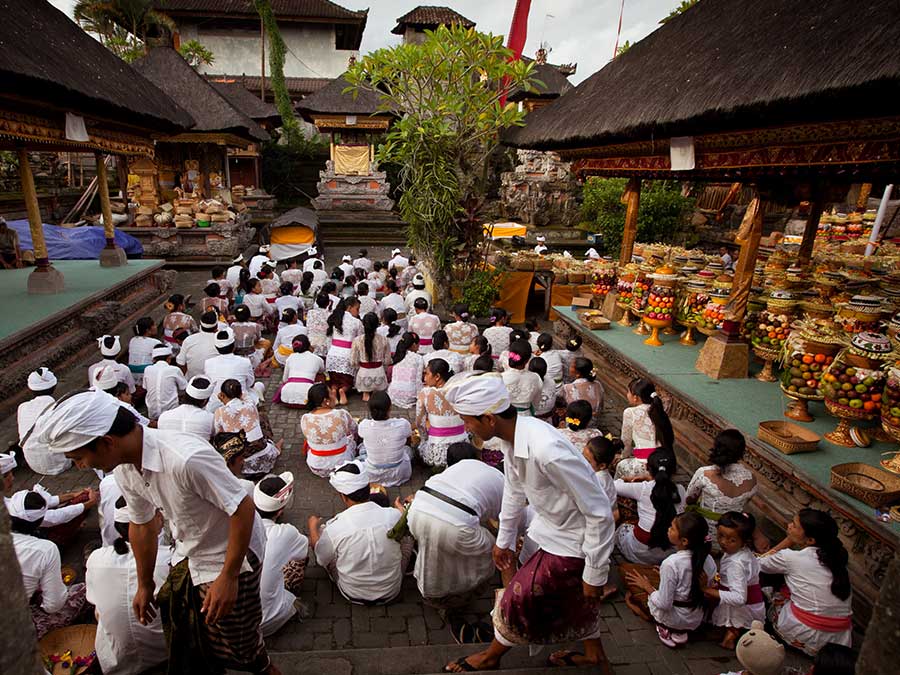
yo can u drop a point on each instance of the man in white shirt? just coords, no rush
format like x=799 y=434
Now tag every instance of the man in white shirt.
x=162 y=381
x=287 y=553
x=257 y=261
x=219 y=541
x=226 y=366
x=541 y=246
x=233 y=273
x=311 y=258
x=199 y=347
x=397 y=260
x=346 y=266
x=191 y=417
x=43 y=383
x=363 y=262
x=418 y=291
x=446 y=519
x=62 y=519
x=353 y=546
x=110 y=347
x=572 y=526
x=727 y=260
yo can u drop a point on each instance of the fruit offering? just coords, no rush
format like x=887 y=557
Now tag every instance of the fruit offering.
x=771 y=330
x=640 y=292
x=660 y=303
x=603 y=280
x=804 y=372
x=692 y=302
x=625 y=289
x=859 y=389
x=890 y=402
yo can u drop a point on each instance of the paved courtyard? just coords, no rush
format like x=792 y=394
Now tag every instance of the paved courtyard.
x=405 y=636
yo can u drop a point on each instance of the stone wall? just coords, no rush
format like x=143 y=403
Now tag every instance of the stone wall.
x=220 y=240
x=353 y=193
x=540 y=191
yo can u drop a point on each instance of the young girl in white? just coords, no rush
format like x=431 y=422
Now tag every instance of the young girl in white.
x=479 y=347
x=406 y=373
x=523 y=385
x=676 y=602
x=814 y=608
x=568 y=355
x=498 y=333
x=140 y=348
x=317 y=325
x=461 y=332
x=390 y=328
x=645 y=427
x=658 y=502
x=300 y=372
x=585 y=386
x=600 y=452
x=385 y=443
x=555 y=367
x=736 y=587
x=576 y=427
x=547 y=403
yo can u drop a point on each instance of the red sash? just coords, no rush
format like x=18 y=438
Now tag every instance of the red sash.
x=641 y=535
x=827 y=624
x=643 y=453
x=324 y=453
x=425 y=342
x=346 y=344
x=754 y=593
x=299 y=380
x=370 y=364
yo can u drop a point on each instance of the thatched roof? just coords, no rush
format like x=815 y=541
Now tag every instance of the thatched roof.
x=212 y=113
x=46 y=57
x=551 y=82
x=252 y=106
x=283 y=9
x=297 y=87
x=430 y=17
x=728 y=64
x=332 y=101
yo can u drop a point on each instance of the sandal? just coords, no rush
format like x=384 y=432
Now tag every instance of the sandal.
x=568 y=658
x=462 y=663
x=461 y=632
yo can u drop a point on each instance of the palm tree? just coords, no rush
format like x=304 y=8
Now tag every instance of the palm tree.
x=113 y=20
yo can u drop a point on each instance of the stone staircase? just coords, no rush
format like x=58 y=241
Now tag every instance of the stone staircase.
x=344 y=229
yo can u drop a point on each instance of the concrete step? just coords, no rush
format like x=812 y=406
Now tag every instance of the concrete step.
x=420 y=660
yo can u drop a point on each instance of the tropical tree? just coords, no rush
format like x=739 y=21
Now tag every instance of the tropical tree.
x=196 y=54
x=277 y=49
x=681 y=9
x=121 y=25
x=447 y=94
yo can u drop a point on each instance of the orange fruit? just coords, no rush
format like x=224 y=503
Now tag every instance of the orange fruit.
x=820 y=358
x=807 y=358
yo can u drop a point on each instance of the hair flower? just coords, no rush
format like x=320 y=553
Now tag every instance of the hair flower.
x=515 y=358
x=574 y=421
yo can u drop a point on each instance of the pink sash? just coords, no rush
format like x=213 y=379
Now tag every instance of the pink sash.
x=643 y=453
x=298 y=380
x=826 y=624
x=425 y=342
x=443 y=432
x=754 y=593
x=346 y=344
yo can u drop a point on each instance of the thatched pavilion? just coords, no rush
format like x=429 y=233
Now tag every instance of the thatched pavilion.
x=62 y=90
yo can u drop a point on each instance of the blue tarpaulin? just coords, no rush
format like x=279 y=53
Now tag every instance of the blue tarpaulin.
x=75 y=243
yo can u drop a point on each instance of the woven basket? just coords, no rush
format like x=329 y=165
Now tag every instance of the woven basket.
x=577 y=277
x=79 y=639
x=787 y=437
x=595 y=322
x=866 y=483
x=543 y=265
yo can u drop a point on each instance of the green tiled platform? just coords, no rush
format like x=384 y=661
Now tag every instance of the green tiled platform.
x=84 y=280
x=744 y=403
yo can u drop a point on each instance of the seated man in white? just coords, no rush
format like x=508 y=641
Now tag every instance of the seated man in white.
x=191 y=417
x=447 y=519
x=353 y=546
x=287 y=553
x=228 y=365
x=42 y=382
x=124 y=646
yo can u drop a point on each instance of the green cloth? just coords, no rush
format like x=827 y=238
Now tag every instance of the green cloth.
x=179 y=606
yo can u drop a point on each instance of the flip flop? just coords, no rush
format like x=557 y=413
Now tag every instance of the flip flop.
x=567 y=658
x=462 y=632
x=484 y=632
x=462 y=663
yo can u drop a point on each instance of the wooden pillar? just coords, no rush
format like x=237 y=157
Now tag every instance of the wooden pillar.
x=110 y=256
x=748 y=237
x=44 y=279
x=632 y=201
x=816 y=204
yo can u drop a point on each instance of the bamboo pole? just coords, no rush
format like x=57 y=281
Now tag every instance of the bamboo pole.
x=632 y=201
x=816 y=204
x=109 y=228
x=35 y=223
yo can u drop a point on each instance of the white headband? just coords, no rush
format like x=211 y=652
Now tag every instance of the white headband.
x=541 y=239
x=238 y=260
x=478 y=395
x=109 y=351
x=346 y=258
x=73 y=422
x=311 y=251
x=347 y=483
x=225 y=337
x=194 y=391
x=212 y=324
x=162 y=350
x=282 y=499
x=396 y=251
x=264 y=248
x=7 y=462
x=16 y=507
x=41 y=379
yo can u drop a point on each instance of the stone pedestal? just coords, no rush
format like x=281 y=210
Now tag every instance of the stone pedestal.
x=46 y=281
x=722 y=359
x=610 y=309
x=541 y=190
x=338 y=192
x=113 y=257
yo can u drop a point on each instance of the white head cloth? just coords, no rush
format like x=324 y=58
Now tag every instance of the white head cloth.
x=74 y=422
x=264 y=249
x=199 y=393
x=105 y=378
x=162 y=350
x=347 y=483
x=312 y=251
x=396 y=251
x=109 y=351
x=282 y=499
x=346 y=258
x=225 y=337
x=566 y=254
x=238 y=260
x=478 y=395
x=418 y=280
x=541 y=239
x=271 y=264
x=16 y=507
x=121 y=515
x=7 y=462
x=41 y=379
x=211 y=324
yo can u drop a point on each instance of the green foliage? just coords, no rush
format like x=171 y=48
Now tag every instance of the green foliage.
x=121 y=25
x=663 y=215
x=196 y=54
x=446 y=95
x=624 y=47
x=277 y=49
x=481 y=291
x=681 y=9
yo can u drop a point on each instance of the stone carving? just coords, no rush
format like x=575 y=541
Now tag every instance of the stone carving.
x=540 y=191
x=220 y=240
x=339 y=192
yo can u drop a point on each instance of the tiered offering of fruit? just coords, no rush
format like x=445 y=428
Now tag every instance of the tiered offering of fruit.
x=712 y=318
x=859 y=389
x=692 y=302
x=603 y=280
x=641 y=290
x=890 y=402
x=861 y=314
x=660 y=303
x=771 y=330
x=625 y=289
x=803 y=374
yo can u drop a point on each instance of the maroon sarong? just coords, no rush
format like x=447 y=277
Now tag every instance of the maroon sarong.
x=545 y=603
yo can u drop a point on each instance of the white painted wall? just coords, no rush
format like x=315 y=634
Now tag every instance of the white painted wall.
x=311 y=51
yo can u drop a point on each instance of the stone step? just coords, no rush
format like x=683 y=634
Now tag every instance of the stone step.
x=419 y=660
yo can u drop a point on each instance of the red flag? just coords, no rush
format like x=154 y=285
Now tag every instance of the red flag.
x=518 y=32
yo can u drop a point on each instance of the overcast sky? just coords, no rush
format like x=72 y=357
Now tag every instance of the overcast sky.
x=582 y=31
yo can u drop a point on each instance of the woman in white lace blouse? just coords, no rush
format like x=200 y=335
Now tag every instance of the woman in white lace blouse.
x=645 y=427
x=724 y=484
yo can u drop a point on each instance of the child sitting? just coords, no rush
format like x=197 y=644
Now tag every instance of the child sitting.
x=675 y=600
x=736 y=587
x=214 y=300
x=544 y=408
x=287 y=299
x=578 y=418
x=218 y=277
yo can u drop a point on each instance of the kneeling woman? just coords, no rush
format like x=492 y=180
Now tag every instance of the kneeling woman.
x=385 y=443
x=301 y=370
x=438 y=425
x=330 y=433
x=239 y=413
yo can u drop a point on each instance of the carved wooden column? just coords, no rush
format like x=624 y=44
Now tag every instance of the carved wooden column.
x=111 y=255
x=45 y=279
x=748 y=237
x=816 y=203
x=632 y=201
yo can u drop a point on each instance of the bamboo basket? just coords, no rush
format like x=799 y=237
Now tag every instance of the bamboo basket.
x=866 y=483
x=788 y=438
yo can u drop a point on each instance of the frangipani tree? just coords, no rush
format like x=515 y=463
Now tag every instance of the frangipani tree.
x=446 y=93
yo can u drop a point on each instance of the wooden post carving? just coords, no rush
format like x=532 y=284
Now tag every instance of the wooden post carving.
x=632 y=200
x=748 y=237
